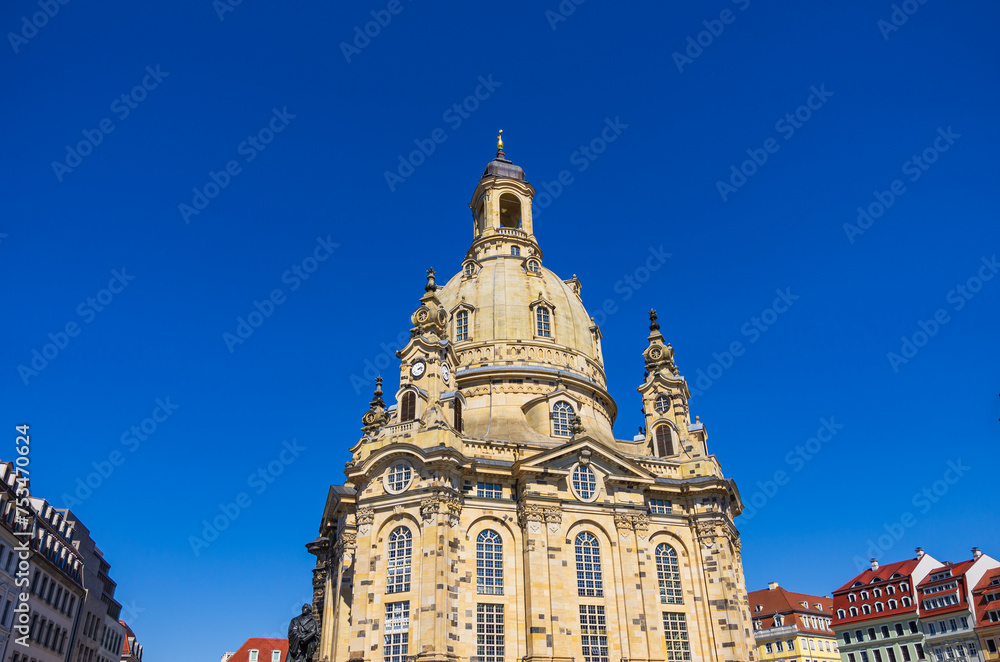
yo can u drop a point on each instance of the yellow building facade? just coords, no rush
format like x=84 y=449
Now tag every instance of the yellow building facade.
x=792 y=627
x=490 y=513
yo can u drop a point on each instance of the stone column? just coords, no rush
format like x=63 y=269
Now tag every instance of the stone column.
x=537 y=582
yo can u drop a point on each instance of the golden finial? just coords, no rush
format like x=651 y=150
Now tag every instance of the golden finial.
x=500 y=140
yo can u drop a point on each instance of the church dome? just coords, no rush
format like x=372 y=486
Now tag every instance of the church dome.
x=519 y=312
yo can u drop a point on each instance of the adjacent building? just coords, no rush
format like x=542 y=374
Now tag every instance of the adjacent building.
x=986 y=601
x=876 y=616
x=490 y=513
x=917 y=609
x=260 y=650
x=73 y=615
x=792 y=627
x=99 y=639
x=947 y=611
x=131 y=648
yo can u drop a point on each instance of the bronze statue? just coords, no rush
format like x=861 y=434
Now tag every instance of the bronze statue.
x=303 y=637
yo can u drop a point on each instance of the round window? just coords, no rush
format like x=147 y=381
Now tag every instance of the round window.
x=584 y=483
x=399 y=477
x=662 y=404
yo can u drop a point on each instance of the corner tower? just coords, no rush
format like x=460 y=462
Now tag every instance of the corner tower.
x=491 y=513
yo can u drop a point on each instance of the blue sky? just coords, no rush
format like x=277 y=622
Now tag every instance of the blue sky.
x=822 y=107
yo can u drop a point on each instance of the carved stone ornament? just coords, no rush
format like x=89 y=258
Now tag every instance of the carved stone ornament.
x=641 y=525
x=364 y=518
x=346 y=545
x=553 y=517
x=623 y=522
x=738 y=550
x=429 y=509
x=706 y=533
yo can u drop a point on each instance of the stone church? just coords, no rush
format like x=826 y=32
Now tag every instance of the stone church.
x=490 y=515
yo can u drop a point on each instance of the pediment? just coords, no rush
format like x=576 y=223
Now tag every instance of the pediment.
x=560 y=459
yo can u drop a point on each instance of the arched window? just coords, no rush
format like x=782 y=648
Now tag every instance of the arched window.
x=515 y=251
x=662 y=404
x=864 y=595
x=462 y=325
x=891 y=590
x=905 y=601
x=589 y=583
x=854 y=611
x=584 y=482
x=852 y=597
x=510 y=211
x=400 y=550
x=892 y=603
x=668 y=572
x=561 y=413
x=543 y=323
x=458 y=415
x=879 y=606
x=877 y=593
x=841 y=613
x=904 y=587
x=664 y=441
x=489 y=563
x=865 y=609
x=408 y=409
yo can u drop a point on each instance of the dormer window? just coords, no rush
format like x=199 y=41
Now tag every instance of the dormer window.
x=253 y=655
x=543 y=322
x=561 y=413
x=778 y=620
x=515 y=251
x=275 y=656
x=510 y=211
x=469 y=269
x=534 y=267
x=662 y=404
x=462 y=325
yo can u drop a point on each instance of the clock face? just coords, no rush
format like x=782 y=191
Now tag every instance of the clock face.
x=445 y=373
x=417 y=369
x=422 y=316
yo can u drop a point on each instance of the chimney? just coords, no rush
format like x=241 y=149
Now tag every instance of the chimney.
x=920 y=553
x=874 y=564
x=976 y=553
x=772 y=585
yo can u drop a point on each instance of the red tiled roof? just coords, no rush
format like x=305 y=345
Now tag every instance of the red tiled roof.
x=883 y=579
x=263 y=648
x=780 y=601
x=129 y=636
x=981 y=604
x=957 y=569
x=884 y=573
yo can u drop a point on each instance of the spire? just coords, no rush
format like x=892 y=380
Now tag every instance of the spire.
x=430 y=286
x=659 y=354
x=653 y=324
x=376 y=416
x=500 y=153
